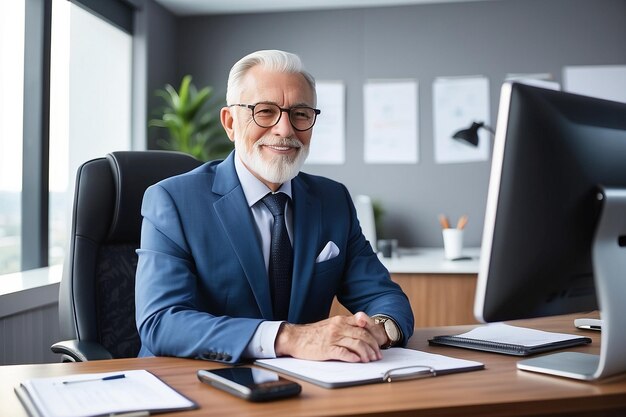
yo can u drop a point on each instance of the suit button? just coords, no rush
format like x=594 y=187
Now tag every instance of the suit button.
x=212 y=356
x=227 y=357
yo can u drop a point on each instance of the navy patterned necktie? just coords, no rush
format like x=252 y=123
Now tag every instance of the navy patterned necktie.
x=281 y=256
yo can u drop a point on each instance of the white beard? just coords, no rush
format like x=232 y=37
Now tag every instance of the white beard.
x=280 y=168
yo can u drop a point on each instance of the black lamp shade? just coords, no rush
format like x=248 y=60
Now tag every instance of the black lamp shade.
x=470 y=135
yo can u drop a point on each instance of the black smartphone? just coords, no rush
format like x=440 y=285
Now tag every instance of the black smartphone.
x=252 y=384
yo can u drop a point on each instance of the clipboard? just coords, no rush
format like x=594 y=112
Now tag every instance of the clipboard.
x=138 y=392
x=397 y=364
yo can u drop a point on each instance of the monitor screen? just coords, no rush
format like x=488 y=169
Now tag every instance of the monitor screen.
x=553 y=152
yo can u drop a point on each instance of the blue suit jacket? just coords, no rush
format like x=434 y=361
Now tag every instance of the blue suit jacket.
x=202 y=286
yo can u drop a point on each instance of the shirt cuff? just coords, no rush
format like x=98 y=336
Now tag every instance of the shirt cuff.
x=261 y=345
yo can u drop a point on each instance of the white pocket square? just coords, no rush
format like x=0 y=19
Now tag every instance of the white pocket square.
x=329 y=252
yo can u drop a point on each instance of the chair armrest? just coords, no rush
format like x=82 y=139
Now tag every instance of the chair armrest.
x=80 y=351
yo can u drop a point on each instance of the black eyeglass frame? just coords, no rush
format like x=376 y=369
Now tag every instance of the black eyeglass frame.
x=316 y=112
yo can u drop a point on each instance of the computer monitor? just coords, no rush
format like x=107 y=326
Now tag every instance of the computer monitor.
x=554 y=238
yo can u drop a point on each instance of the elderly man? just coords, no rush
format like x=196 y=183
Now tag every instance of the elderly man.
x=241 y=258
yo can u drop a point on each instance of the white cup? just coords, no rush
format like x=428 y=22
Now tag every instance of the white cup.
x=452 y=243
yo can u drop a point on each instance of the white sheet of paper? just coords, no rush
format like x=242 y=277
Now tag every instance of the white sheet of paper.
x=391 y=122
x=514 y=335
x=328 y=143
x=138 y=390
x=457 y=102
x=602 y=81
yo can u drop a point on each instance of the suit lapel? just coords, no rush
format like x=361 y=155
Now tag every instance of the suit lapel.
x=234 y=214
x=306 y=223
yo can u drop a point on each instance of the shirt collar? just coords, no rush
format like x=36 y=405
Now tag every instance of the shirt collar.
x=252 y=187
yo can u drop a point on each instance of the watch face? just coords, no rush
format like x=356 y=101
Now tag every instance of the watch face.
x=392 y=331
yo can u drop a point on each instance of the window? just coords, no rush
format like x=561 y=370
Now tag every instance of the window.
x=89 y=91
x=11 y=124
x=90 y=105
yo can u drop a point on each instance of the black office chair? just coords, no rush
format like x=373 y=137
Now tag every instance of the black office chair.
x=97 y=293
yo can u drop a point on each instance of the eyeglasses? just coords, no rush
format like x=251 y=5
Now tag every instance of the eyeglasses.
x=266 y=115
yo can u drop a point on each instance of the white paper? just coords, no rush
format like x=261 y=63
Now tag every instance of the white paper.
x=543 y=76
x=602 y=81
x=328 y=142
x=457 y=102
x=504 y=333
x=391 y=122
x=139 y=390
x=338 y=373
x=543 y=80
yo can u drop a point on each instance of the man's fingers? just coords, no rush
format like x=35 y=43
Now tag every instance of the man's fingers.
x=359 y=340
x=347 y=338
x=366 y=352
x=352 y=350
x=365 y=321
x=341 y=353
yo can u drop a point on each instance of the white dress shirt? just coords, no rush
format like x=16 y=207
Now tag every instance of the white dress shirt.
x=262 y=343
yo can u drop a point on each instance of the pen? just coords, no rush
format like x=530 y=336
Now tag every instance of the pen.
x=443 y=220
x=462 y=222
x=106 y=378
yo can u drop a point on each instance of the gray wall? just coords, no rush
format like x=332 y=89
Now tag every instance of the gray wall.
x=156 y=33
x=491 y=38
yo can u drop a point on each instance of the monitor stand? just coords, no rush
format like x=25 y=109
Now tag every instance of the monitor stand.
x=609 y=268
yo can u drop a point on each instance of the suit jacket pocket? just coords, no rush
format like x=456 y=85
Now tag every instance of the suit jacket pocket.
x=326 y=282
x=335 y=263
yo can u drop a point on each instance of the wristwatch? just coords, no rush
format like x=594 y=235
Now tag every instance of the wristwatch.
x=391 y=329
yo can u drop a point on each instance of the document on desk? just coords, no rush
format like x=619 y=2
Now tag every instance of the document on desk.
x=396 y=364
x=101 y=394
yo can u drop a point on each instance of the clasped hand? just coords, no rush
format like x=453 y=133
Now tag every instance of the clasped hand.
x=353 y=338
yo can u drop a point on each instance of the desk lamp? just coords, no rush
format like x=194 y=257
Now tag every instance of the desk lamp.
x=470 y=135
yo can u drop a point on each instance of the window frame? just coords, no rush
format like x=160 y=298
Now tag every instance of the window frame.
x=119 y=13
x=36 y=125
x=36 y=118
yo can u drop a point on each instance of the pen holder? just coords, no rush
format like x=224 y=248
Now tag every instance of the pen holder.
x=452 y=243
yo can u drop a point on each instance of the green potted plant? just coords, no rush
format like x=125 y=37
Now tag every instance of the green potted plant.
x=191 y=118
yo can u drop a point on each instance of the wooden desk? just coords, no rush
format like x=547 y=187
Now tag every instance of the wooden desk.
x=499 y=390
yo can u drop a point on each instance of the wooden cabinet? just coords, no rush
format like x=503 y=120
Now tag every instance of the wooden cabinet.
x=436 y=299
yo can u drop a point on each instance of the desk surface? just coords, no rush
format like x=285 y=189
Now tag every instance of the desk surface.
x=498 y=390
x=431 y=261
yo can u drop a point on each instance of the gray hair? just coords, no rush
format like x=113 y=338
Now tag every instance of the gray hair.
x=271 y=60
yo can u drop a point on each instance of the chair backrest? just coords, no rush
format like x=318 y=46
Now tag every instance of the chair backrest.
x=97 y=295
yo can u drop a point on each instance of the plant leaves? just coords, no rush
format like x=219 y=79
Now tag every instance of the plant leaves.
x=174 y=98
x=191 y=117
x=184 y=94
